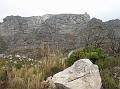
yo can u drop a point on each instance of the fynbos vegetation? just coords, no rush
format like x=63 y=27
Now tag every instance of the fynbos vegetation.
x=19 y=72
x=45 y=42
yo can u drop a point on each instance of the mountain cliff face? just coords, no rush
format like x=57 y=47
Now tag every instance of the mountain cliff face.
x=22 y=33
x=64 y=31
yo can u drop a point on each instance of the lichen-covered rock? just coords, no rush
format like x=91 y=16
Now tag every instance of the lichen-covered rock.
x=83 y=74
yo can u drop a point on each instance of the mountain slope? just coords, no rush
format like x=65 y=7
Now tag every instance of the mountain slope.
x=60 y=30
x=23 y=35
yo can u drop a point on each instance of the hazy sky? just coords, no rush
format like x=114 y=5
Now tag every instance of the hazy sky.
x=102 y=9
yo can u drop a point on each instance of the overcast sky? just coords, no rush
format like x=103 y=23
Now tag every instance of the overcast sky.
x=102 y=9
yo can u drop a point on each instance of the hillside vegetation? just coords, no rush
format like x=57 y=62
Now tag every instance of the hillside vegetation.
x=34 y=48
x=17 y=72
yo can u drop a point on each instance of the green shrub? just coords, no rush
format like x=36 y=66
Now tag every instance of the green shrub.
x=3 y=79
x=55 y=69
x=94 y=54
x=18 y=66
x=108 y=82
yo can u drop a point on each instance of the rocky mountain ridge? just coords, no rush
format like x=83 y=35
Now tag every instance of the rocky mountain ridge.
x=22 y=35
x=30 y=32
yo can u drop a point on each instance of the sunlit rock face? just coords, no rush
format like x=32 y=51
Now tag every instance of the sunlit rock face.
x=83 y=74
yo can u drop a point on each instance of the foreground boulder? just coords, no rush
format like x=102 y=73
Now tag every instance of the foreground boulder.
x=83 y=74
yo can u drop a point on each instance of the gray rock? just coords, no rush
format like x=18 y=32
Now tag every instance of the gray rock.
x=28 y=33
x=83 y=74
x=63 y=31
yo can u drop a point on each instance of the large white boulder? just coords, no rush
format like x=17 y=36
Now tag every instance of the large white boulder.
x=83 y=74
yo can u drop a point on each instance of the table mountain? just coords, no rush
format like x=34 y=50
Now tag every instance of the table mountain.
x=23 y=35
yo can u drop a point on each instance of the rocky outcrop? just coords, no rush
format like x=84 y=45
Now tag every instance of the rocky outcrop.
x=83 y=74
x=63 y=31
x=28 y=33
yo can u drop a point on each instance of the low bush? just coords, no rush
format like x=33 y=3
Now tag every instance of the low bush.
x=108 y=81
x=94 y=54
x=3 y=79
x=105 y=62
